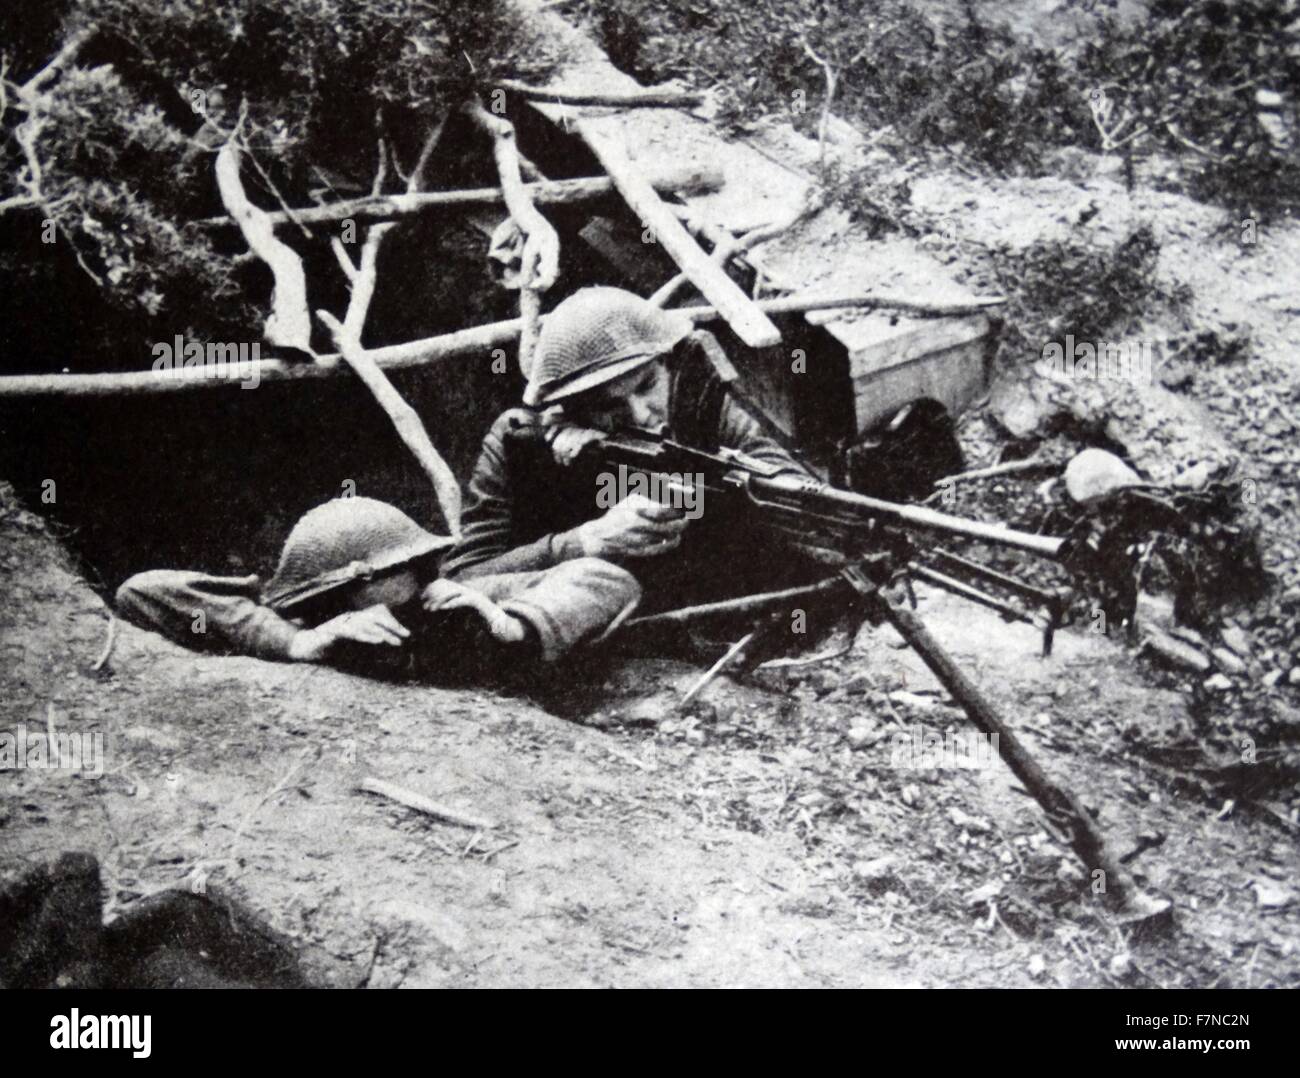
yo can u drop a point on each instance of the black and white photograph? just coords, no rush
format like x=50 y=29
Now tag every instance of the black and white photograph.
x=662 y=494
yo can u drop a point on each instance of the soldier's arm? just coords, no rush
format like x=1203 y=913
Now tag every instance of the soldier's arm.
x=489 y=541
x=207 y=613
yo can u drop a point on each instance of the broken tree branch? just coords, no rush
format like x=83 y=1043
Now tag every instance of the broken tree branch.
x=347 y=338
x=289 y=324
x=730 y=247
x=1010 y=467
x=748 y=321
x=404 y=418
x=69 y=52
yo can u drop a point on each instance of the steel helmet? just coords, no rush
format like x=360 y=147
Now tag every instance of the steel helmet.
x=342 y=541
x=596 y=335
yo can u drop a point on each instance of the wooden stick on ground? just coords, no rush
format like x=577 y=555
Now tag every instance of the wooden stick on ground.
x=423 y=804
x=1010 y=467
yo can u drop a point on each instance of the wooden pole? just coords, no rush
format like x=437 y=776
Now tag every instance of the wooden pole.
x=689 y=179
x=413 y=355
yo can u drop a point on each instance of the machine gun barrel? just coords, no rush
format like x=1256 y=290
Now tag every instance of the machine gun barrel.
x=807 y=493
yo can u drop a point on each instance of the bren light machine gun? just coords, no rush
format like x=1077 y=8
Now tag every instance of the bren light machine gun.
x=874 y=545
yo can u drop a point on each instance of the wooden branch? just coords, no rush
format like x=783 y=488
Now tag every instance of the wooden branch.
x=416 y=181
x=404 y=418
x=420 y=803
x=750 y=324
x=672 y=99
x=289 y=324
x=347 y=337
x=541 y=259
x=690 y=179
x=414 y=355
x=832 y=80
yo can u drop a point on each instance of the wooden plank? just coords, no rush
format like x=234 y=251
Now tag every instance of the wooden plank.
x=748 y=322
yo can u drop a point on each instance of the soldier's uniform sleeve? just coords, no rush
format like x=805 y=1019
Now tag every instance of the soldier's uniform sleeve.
x=208 y=613
x=493 y=538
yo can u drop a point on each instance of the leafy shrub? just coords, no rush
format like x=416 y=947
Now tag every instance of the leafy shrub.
x=125 y=137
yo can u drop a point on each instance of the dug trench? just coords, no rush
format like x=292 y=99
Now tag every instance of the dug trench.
x=773 y=837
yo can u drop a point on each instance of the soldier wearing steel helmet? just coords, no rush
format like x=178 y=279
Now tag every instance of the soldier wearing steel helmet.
x=607 y=360
x=357 y=585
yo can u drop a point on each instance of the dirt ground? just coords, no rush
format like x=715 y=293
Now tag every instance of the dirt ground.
x=742 y=846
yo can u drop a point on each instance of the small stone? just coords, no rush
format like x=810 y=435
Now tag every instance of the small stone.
x=1037 y=966
x=1272 y=678
x=1121 y=965
x=1095 y=473
x=1237 y=639
x=876 y=870
x=1293 y=678
x=1217 y=683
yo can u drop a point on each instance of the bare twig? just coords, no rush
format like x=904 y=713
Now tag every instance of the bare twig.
x=1010 y=467
x=69 y=52
x=832 y=80
x=404 y=418
x=727 y=249
x=688 y=179
x=348 y=333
